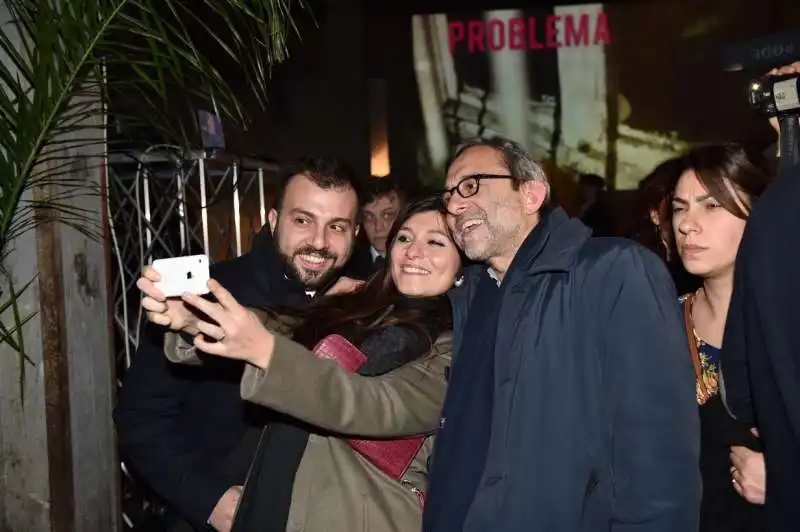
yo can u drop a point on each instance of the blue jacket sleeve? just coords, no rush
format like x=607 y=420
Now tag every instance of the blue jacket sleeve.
x=156 y=447
x=655 y=420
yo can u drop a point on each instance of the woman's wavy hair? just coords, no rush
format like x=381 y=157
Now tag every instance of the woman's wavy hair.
x=359 y=314
x=732 y=175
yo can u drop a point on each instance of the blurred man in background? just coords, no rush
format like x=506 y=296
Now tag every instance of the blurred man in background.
x=383 y=199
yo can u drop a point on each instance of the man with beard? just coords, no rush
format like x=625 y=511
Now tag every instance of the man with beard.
x=182 y=429
x=571 y=403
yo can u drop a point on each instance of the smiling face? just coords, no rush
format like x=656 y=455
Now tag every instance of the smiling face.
x=423 y=258
x=490 y=223
x=707 y=235
x=315 y=230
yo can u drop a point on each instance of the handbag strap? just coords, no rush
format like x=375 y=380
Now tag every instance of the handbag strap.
x=689 y=325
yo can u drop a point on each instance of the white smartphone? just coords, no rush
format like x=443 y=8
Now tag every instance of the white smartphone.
x=183 y=274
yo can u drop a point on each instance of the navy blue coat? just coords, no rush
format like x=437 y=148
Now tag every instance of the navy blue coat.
x=595 y=424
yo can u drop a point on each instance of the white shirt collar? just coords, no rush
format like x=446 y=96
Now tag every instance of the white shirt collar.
x=309 y=293
x=374 y=253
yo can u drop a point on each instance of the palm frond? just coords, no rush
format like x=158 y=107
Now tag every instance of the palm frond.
x=67 y=61
x=11 y=335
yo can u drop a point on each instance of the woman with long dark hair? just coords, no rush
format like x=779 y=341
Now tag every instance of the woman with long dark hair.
x=710 y=204
x=309 y=473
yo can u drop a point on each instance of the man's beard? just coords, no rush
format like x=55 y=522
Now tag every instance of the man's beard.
x=491 y=238
x=475 y=249
x=311 y=278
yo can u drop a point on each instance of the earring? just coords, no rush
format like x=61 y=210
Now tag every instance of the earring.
x=459 y=280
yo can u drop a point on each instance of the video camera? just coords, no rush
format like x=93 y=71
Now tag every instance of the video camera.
x=779 y=96
x=776 y=95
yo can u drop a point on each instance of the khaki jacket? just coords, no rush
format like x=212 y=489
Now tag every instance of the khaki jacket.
x=336 y=489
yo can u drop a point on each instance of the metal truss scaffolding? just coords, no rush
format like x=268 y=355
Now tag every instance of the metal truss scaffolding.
x=166 y=203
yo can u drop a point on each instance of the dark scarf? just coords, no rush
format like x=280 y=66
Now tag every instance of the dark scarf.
x=264 y=506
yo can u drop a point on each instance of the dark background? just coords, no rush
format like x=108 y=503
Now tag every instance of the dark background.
x=320 y=98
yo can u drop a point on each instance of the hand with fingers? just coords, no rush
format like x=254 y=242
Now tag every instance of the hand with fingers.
x=748 y=473
x=345 y=285
x=235 y=332
x=225 y=510
x=170 y=312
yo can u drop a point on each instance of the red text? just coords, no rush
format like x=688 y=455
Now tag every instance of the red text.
x=521 y=34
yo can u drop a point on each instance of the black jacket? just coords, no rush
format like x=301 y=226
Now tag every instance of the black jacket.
x=360 y=265
x=595 y=424
x=178 y=425
x=761 y=347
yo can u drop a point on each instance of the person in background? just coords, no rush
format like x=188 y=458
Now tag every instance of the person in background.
x=710 y=205
x=383 y=199
x=570 y=406
x=184 y=430
x=596 y=213
x=760 y=345
x=652 y=205
x=306 y=476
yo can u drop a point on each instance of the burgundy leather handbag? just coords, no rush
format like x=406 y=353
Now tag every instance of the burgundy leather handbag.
x=390 y=456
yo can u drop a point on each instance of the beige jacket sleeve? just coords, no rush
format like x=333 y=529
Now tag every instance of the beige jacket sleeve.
x=405 y=402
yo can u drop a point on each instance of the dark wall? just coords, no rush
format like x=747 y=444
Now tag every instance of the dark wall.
x=318 y=99
x=389 y=57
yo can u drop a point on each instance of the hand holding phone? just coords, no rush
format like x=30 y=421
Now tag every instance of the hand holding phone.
x=183 y=274
x=162 y=287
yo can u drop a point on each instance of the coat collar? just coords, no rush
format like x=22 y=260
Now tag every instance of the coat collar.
x=550 y=247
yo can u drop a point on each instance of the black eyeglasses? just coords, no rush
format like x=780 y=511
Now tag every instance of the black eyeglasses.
x=470 y=185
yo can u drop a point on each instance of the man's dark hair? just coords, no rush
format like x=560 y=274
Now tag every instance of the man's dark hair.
x=520 y=164
x=377 y=187
x=325 y=172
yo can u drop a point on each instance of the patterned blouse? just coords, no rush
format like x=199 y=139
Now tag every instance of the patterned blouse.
x=709 y=363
